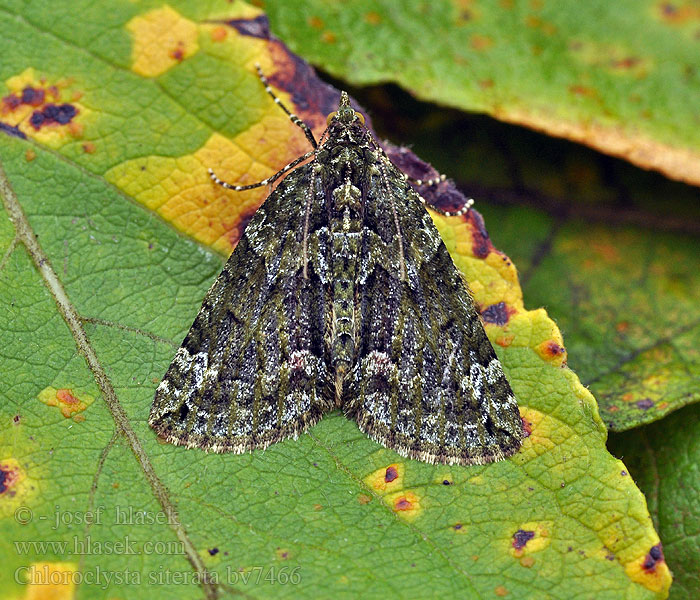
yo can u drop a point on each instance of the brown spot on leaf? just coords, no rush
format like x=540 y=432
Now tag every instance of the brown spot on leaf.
x=259 y=27
x=315 y=22
x=53 y=114
x=481 y=244
x=678 y=13
x=364 y=499
x=527 y=561
x=76 y=129
x=505 y=340
x=178 y=53
x=545 y=27
x=553 y=349
x=29 y=155
x=498 y=314
x=218 y=34
x=583 y=90
x=403 y=503
x=653 y=557
x=625 y=63
x=9 y=477
x=373 y=18
x=480 y=42
x=10 y=103
x=89 y=148
x=282 y=553
x=501 y=591
x=16 y=419
x=12 y=131
x=521 y=538
x=64 y=399
x=33 y=96
x=391 y=474
x=328 y=37
x=622 y=326
x=527 y=427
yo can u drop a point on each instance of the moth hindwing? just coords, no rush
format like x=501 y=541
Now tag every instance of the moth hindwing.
x=340 y=294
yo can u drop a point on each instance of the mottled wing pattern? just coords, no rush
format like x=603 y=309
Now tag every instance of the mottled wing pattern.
x=253 y=367
x=426 y=381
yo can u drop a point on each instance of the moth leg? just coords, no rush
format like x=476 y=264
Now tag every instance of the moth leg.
x=445 y=213
x=429 y=182
x=269 y=180
x=449 y=213
x=294 y=119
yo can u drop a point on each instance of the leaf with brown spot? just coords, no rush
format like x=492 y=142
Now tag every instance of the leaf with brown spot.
x=112 y=251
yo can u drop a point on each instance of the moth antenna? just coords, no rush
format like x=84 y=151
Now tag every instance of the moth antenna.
x=269 y=180
x=294 y=119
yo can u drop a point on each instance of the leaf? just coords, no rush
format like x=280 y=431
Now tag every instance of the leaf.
x=663 y=458
x=104 y=268
x=617 y=76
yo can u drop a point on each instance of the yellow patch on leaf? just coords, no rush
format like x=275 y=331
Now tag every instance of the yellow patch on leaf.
x=16 y=490
x=50 y=580
x=68 y=403
x=530 y=537
x=12 y=476
x=162 y=39
x=491 y=279
x=181 y=191
x=44 y=110
x=242 y=50
x=386 y=479
x=650 y=570
x=548 y=435
x=405 y=504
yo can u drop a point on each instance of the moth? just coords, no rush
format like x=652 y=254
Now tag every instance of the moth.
x=340 y=295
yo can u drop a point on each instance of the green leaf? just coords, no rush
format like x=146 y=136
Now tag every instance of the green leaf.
x=663 y=458
x=105 y=265
x=617 y=76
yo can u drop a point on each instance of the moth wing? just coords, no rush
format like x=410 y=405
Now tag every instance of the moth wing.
x=253 y=369
x=426 y=381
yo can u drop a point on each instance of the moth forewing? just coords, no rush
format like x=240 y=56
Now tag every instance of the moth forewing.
x=340 y=293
